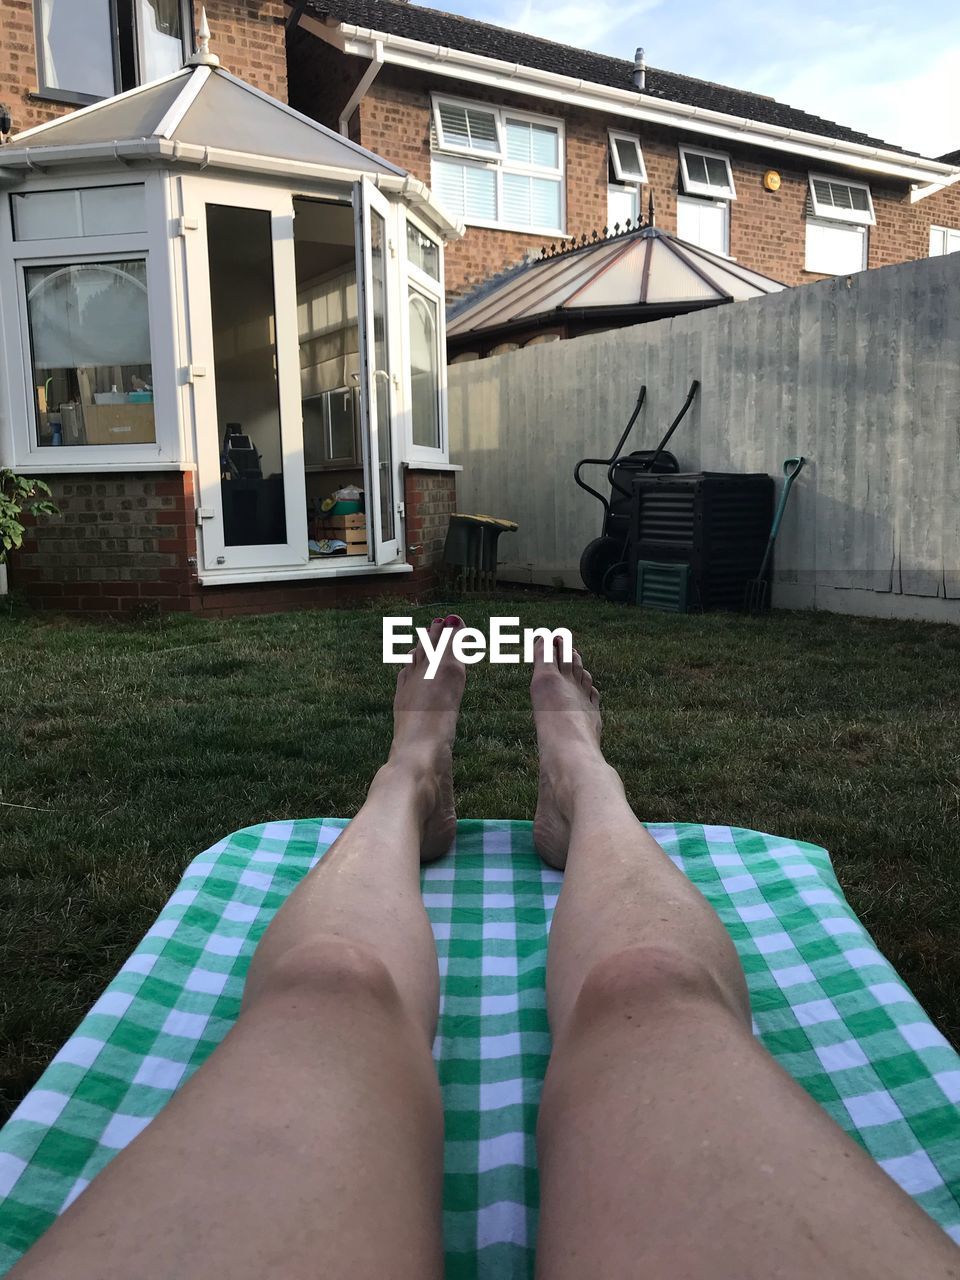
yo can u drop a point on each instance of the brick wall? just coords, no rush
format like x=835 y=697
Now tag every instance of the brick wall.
x=120 y=541
x=430 y=498
x=128 y=541
x=248 y=36
x=767 y=230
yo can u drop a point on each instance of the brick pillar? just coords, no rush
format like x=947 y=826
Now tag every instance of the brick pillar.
x=430 y=498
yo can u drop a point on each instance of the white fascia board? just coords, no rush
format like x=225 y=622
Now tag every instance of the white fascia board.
x=495 y=73
x=932 y=188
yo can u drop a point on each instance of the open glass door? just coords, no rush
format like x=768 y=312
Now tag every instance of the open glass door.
x=246 y=376
x=380 y=381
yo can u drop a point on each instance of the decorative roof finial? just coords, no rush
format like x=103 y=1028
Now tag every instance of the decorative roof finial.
x=651 y=212
x=203 y=57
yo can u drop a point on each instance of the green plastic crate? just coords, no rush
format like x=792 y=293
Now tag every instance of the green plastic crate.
x=662 y=586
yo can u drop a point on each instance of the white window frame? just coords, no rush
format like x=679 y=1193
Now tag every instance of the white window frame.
x=16 y=389
x=630 y=179
x=499 y=164
x=412 y=277
x=724 y=205
x=943 y=234
x=620 y=189
x=694 y=188
x=457 y=148
x=72 y=97
x=828 y=213
x=842 y=226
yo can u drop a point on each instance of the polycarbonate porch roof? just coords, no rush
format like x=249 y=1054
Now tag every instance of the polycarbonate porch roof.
x=648 y=270
x=200 y=106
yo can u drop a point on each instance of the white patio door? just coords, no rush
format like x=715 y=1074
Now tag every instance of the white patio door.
x=377 y=273
x=242 y=301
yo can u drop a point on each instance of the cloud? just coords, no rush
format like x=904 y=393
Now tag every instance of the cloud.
x=573 y=23
x=919 y=111
x=865 y=64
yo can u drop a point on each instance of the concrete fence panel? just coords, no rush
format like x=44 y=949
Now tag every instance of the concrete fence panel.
x=860 y=374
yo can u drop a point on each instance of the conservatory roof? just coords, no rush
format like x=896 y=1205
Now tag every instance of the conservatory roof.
x=648 y=272
x=202 y=115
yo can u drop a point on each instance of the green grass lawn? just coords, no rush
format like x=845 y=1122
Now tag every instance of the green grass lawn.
x=126 y=749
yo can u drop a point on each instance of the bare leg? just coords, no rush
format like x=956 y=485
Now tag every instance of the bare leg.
x=311 y=1142
x=671 y=1144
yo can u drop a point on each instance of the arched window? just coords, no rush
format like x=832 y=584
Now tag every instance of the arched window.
x=424 y=370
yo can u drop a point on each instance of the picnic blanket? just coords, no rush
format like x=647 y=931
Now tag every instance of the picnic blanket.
x=826 y=1004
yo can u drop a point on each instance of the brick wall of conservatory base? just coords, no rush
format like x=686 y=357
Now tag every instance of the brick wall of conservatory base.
x=248 y=36
x=126 y=541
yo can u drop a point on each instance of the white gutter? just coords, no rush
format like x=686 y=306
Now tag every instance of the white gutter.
x=360 y=92
x=495 y=73
x=15 y=161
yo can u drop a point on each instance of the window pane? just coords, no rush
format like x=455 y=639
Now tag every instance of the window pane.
x=240 y=250
x=717 y=173
x=466 y=190
x=424 y=371
x=696 y=167
x=90 y=343
x=468 y=127
x=628 y=153
x=76 y=46
x=381 y=378
x=46 y=215
x=531 y=202
x=423 y=252
x=533 y=144
x=91 y=211
x=622 y=203
x=840 y=195
x=160 y=29
x=834 y=249
x=703 y=222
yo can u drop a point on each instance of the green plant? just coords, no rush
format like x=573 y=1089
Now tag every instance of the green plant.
x=19 y=496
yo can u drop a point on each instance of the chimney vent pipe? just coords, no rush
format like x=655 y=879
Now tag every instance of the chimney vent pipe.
x=639 y=71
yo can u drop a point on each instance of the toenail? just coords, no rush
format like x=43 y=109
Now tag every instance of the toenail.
x=453 y=620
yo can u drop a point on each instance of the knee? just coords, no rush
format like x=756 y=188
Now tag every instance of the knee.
x=325 y=968
x=637 y=982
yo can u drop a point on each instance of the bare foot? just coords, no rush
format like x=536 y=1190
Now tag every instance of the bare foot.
x=566 y=711
x=425 y=716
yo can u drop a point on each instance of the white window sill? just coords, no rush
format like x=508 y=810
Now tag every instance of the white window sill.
x=33 y=466
x=415 y=464
x=240 y=577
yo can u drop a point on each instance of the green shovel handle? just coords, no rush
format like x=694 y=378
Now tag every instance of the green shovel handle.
x=791 y=469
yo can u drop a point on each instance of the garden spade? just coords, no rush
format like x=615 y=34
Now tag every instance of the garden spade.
x=757 y=593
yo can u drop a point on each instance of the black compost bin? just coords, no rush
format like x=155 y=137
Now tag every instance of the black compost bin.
x=717 y=523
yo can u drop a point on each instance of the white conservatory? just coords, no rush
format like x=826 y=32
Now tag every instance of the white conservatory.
x=194 y=278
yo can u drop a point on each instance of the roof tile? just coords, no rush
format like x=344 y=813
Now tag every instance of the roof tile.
x=450 y=30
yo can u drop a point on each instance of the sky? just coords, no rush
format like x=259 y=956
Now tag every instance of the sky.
x=888 y=69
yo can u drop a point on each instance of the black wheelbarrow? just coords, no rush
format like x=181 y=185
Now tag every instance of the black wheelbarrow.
x=604 y=564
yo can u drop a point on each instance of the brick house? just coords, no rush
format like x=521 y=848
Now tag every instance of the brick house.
x=214 y=314
x=529 y=141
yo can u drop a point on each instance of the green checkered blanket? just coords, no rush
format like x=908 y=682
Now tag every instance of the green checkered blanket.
x=826 y=1004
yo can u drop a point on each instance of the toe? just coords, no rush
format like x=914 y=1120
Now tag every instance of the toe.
x=565 y=667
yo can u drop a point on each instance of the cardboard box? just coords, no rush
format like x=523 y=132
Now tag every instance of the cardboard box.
x=119 y=424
